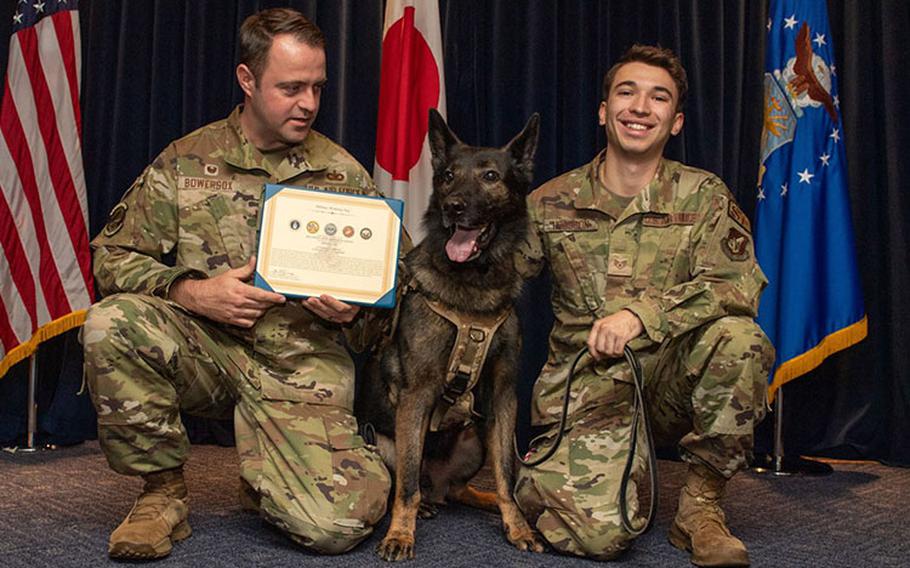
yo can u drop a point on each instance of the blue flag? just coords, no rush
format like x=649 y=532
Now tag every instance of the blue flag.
x=813 y=305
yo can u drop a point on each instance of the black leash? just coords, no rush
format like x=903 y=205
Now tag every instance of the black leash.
x=639 y=414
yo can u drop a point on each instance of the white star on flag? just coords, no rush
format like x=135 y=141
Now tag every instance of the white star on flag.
x=790 y=23
x=17 y=18
x=39 y=7
x=833 y=69
x=761 y=192
x=836 y=135
x=783 y=190
x=819 y=39
x=837 y=101
x=825 y=158
x=805 y=176
x=769 y=24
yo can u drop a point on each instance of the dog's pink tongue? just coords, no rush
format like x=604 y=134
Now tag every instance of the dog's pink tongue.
x=462 y=244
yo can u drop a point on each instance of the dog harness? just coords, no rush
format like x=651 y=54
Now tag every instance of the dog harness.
x=475 y=334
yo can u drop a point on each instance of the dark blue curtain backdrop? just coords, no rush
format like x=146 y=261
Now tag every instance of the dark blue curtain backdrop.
x=154 y=70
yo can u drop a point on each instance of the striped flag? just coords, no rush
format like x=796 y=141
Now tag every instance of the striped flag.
x=813 y=305
x=411 y=82
x=45 y=263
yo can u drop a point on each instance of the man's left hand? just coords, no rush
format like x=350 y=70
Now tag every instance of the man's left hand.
x=331 y=309
x=609 y=335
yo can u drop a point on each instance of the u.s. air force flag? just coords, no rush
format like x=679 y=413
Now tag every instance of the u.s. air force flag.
x=813 y=306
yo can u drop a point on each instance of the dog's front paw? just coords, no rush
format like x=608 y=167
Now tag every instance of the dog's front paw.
x=395 y=547
x=524 y=539
x=427 y=510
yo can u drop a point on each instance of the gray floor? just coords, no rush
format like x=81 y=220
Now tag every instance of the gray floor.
x=58 y=508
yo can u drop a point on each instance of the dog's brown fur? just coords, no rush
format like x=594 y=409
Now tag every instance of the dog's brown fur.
x=473 y=187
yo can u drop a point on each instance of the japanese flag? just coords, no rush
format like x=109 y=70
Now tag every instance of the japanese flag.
x=411 y=82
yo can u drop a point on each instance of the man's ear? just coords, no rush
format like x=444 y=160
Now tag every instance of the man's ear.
x=246 y=79
x=678 y=121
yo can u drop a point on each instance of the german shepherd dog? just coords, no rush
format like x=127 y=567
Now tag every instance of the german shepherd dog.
x=475 y=220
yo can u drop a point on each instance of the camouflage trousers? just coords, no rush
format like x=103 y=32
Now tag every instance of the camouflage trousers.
x=146 y=359
x=704 y=393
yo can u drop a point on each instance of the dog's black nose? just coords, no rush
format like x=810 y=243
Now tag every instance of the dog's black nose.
x=454 y=208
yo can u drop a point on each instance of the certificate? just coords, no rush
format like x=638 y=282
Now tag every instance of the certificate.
x=314 y=242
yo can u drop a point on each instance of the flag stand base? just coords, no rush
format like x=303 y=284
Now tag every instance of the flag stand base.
x=785 y=466
x=779 y=465
x=32 y=411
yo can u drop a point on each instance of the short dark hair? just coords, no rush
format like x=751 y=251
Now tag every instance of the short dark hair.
x=258 y=30
x=658 y=57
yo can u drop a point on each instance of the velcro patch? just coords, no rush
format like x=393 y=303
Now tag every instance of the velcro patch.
x=569 y=225
x=620 y=264
x=737 y=215
x=115 y=219
x=336 y=176
x=667 y=219
x=214 y=184
x=735 y=245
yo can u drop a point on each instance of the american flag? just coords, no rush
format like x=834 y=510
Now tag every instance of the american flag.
x=45 y=263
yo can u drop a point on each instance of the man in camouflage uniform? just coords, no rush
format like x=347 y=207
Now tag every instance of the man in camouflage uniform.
x=191 y=333
x=656 y=254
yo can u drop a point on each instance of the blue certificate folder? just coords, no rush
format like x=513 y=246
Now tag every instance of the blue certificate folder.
x=312 y=241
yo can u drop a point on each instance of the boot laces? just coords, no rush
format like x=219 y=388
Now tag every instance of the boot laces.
x=150 y=506
x=711 y=515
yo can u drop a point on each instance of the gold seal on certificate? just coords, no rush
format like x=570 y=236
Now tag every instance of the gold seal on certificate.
x=314 y=242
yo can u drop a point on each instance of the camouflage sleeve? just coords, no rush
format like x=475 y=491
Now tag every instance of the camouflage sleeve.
x=141 y=229
x=529 y=258
x=726 y=279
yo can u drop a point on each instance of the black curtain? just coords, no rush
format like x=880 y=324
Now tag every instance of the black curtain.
x=154 y=70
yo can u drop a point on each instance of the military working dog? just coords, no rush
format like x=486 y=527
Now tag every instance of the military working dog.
x=451 y=364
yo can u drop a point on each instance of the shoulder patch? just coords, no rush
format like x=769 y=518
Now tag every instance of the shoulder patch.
x=735 y=245
x=737 y=215
x=115 y=219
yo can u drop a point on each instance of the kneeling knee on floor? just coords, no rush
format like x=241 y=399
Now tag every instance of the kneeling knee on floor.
x=591 y=538
x=334 y=539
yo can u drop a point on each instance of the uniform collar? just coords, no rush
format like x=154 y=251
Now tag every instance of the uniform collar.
x=302 y=158
x=657 y=197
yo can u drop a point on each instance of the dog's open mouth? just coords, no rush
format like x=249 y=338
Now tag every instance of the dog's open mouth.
x=466 y=244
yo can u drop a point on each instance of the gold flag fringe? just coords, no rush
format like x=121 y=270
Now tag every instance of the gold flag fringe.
x=45 y=332
x=802 y=364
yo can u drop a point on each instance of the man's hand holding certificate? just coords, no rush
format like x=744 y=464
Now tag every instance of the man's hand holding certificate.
x=313 y=242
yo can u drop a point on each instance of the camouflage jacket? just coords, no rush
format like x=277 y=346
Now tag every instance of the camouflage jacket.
x=194 y=212
x=679 y=255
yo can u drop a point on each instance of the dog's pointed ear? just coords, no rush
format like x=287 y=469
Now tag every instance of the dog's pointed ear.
x=441 y=139
x=524 y=145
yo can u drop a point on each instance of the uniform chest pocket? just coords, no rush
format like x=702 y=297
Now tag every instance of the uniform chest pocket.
x=218 y=229
x=575 y=267
x=655 y=253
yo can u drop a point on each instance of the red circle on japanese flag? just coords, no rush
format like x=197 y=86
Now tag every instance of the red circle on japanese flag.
x=409 y=86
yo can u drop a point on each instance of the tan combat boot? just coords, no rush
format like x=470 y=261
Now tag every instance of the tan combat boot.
x=699 y=526
x=157 y=520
